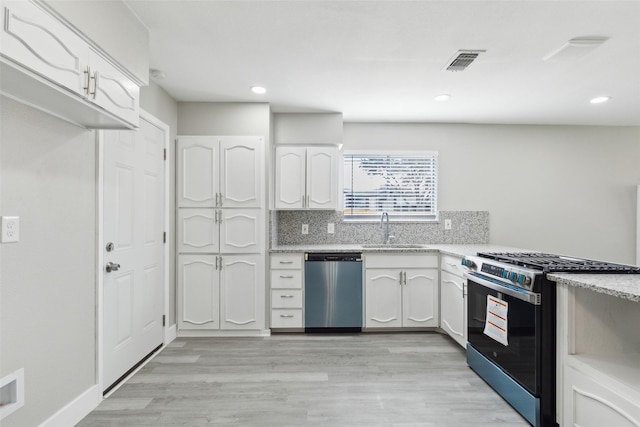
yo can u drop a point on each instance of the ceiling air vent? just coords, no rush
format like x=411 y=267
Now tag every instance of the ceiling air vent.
x=462 y=59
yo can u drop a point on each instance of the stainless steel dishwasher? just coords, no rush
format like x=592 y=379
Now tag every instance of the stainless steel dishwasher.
x=333 y=292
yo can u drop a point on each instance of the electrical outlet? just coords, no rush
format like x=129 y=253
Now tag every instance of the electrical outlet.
x=10 y=229
x=447 y=224
x=305 y=228
x=331 y=228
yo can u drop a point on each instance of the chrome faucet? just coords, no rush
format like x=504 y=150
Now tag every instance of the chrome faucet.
x=385 y=225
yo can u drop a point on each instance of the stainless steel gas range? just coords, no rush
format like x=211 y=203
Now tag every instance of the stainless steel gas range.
x=511 y=312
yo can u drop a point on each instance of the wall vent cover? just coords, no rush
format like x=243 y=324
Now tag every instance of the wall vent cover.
x=462 y=59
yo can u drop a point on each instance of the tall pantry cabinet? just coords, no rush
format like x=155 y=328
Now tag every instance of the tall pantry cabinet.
x=221 y=223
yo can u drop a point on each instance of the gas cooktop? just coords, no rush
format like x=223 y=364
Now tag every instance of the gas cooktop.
x=550 y=263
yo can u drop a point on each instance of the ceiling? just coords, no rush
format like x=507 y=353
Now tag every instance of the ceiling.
x=383 y=61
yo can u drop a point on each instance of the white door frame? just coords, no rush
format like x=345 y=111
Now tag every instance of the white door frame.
x=169 y=333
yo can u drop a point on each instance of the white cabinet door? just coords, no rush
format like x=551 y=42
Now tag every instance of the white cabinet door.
x=383 y=299
x=322 y=178
x=592 y=402
x=198 y=230
x=240 y=230
x=39 y=42
x=420 y=298
x=198 y=292
x=241 y=176
x=452 y=307
x=197 y=171
x=112 y=90
x=290 y=177
x=241 y=293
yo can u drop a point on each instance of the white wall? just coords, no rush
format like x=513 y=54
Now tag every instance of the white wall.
x=154 y=100
x=47 y=295
x=562 y=189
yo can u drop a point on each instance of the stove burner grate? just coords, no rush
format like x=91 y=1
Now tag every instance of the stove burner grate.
x=551 y=263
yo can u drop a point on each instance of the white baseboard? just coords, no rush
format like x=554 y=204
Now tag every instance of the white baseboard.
x=76 y=410
x=170 y=334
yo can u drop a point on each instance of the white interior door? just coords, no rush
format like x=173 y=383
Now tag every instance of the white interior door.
x=133 y=226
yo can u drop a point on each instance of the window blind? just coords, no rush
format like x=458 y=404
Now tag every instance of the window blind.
x=404 y=185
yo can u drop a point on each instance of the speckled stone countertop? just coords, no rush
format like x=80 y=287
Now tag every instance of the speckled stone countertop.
x=456 y=250
x=618 y=285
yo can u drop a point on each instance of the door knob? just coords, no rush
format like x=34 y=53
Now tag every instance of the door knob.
x=112 y=266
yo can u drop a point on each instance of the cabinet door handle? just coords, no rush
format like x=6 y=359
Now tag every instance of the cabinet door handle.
x=308 y=201
x=221 y=198
x=220 y=217
x=87 y=73
x=286 y=296
x=95 y=84
x=220 y=263
x=286 y=262
x=401 y=277
x=286 y=277
x=286 y=316
x=216 y=262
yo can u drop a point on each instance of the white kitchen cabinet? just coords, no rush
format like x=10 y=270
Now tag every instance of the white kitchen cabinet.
x=220 y=171
x=306 y=177
x=220 y=230
x=453 y=309
x=198 y=292
x=401 y=291
x=41 y=43
x=49 y=65
x=286 y=291
x=598 y=368
x=111 y=89
x=220 y=292
x=221 y=223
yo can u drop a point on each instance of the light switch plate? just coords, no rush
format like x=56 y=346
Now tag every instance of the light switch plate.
x=305 y=228
x=447 y=224
x=10 y=229
x=331 y=227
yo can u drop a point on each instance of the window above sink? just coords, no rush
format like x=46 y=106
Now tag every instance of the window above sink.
x=404 y=184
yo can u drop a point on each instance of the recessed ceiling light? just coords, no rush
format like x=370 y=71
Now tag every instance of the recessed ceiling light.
x=442 y=98
x=258 y=89
x=600 y=99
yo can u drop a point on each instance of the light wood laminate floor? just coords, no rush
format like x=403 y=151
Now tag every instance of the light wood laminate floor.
x=400 y=379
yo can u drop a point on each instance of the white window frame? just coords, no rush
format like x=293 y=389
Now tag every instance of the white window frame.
x=393 y=216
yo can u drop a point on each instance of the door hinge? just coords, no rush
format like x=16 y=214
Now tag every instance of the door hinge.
x=164 y=320
x=165 y=154
x=164 y=237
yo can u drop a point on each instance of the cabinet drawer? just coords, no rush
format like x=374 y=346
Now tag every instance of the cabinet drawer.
x=286 y=318
x=288 y=261
x=286 y=299
x=452 y=265
x=288 y=279
x=400 y=261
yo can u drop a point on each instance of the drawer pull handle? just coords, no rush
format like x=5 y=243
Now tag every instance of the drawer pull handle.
x=287 y=316
x=286 y=277
x=286 y=262
x=286 y=296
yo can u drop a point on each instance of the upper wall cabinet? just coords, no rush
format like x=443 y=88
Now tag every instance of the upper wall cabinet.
x=306 y=177
x=220 y=172
x=48 y=65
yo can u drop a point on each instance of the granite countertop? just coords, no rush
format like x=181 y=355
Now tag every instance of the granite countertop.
x=455 y=250
x=618 y=285
x=625 y=286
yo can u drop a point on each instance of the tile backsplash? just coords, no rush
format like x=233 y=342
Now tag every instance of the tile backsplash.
x=467 y=227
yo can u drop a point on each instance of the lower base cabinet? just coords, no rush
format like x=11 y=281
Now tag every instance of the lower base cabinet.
x=403 y=296
x=220 y=292
x=590 y=403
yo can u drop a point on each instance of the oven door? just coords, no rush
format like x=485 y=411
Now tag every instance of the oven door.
x=517 y=350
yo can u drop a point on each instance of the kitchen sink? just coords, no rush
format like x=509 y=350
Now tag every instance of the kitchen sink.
x=392 y=246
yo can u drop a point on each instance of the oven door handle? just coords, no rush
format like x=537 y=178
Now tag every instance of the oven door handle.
x=526 y=296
